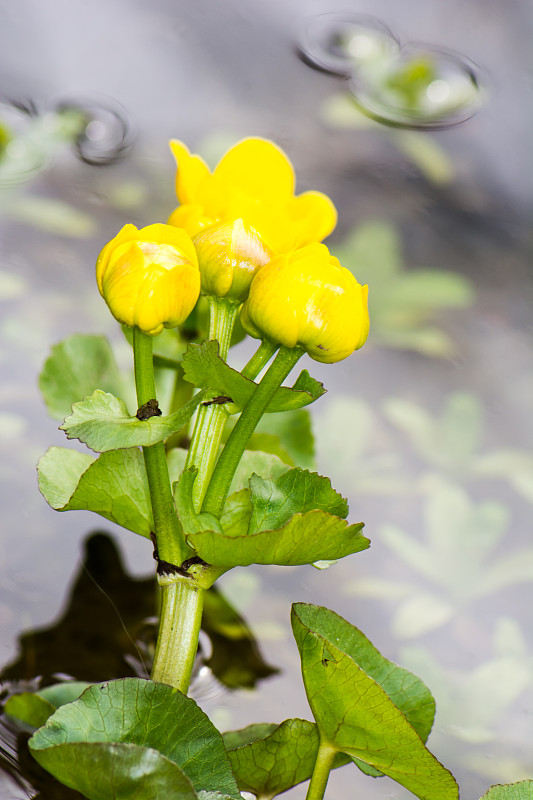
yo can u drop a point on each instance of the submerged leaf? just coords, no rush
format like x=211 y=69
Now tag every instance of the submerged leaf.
x=113 y=485
x=103 y=423
x=368 y=721
x=120 y=726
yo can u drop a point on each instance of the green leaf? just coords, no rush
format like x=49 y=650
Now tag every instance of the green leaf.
x=275 y=501
x=268 y=759
x=61 y=693
x=306 y=538
x=203 y=367
x=113 y=485
x=295 y=433
x=265 y=464
x=103 y=423
x=29 y=708
x=237 y=512
x=34 y=708
x=363 y=720
x=191 y=522
x=75 y=368
x=116 y=771
x=114 y=729
x=521 y=790
x=269 y=443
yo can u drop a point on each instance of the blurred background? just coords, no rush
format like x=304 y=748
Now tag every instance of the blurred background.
x=415 y=118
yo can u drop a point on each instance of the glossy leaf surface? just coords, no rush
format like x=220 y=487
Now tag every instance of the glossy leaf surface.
x=122 y=731
x=363 y=721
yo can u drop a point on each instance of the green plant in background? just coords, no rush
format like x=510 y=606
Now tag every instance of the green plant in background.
x=403 y=303
x=242 y=237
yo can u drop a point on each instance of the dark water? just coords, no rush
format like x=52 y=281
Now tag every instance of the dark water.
x=433 y=452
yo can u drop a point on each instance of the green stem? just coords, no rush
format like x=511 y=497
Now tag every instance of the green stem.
x=177 y=642
x=238 y=439
x=262 y=356
x=211 y=420
x=181 y=394
x=323 y=766
x=170 y=542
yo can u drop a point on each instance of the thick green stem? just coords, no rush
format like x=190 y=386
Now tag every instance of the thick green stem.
x=170 y=542
x=323 y=766
x=238 y=439
x=177 y=642
x=211 y=420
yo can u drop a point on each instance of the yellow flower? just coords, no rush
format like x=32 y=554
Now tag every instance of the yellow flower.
x=306 y=298
x=229 y=255
x=149 y=278
x=253 y=182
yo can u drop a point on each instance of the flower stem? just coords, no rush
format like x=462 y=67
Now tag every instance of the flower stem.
x=170 y=541
x=182 y=603
x=262 y=356
x=211 y=420
x=323 y=766
x=228 y=461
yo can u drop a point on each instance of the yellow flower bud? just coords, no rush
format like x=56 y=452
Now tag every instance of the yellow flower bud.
x=149 y=278
x=254 y=182
x=306 y=298
x=229 y=255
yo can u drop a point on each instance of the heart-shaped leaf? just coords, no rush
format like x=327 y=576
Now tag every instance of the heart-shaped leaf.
x=348 y=684
x=121 y=732
x=75 y=368
x=306 y=538
x=103 y=423
x=113 y=485
x=276 y=500
x=268 y=759
x=203 y=367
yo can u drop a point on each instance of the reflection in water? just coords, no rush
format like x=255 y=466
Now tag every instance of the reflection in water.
x=31 y=138
x=105 y=136
x=412 y=86
x=108 y=631
x=340 y=43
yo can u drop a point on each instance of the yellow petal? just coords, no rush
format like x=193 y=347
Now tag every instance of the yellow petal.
x=191 y=174
x=310 y=217
x=258 y=169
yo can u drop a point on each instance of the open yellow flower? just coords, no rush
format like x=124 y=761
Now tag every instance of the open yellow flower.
x=253 y=182
x=149 y=278
x=306 y=298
